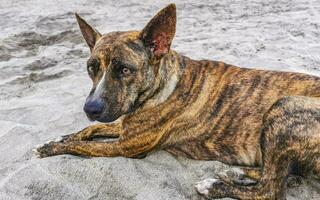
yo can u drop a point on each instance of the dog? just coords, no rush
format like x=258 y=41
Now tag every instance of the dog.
x=151 y=98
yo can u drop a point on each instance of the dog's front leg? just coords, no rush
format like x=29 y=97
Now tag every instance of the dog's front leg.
x=107 y=130
x=132 y=147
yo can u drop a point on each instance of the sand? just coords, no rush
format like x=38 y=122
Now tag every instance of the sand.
x=43 y=85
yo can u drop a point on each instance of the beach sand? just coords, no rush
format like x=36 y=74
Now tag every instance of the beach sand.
x=44 y=83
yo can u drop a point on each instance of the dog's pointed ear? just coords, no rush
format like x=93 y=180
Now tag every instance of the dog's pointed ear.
x=159 y=32
x=90 y=34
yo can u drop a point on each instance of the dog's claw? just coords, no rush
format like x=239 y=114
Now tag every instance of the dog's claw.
x=48 y=142
x=59 y=139
x=36 y=152
x=38 y=146
x=204 y=186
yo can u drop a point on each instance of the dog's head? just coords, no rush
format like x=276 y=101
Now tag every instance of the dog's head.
x=123 y=65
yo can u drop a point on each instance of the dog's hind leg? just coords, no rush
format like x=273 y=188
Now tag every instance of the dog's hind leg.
x=250 y=175
x=289 y=137
x=254 y=173
x=241 y=175
x=271 y=185
x=99 y=130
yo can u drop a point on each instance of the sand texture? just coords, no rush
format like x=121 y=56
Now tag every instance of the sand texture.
x=44 y=83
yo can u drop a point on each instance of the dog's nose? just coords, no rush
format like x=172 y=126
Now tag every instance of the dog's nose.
x=94 y=108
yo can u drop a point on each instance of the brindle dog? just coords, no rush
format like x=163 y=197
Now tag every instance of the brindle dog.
x=205 y=110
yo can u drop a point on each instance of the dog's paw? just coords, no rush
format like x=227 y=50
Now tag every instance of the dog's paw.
x=204 y=186
x=237 y=176
x=44 y=150
x=35 y=150
x=233 y=173
x=294 y=181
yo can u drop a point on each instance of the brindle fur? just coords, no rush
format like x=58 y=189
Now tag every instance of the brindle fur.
x=204 y=110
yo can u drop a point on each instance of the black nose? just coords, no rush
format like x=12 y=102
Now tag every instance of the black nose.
x=94 y=108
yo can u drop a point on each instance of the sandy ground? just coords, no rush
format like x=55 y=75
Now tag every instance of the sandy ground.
x=43 y=85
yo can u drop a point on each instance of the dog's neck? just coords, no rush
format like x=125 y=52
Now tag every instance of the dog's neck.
x=178 y=77
x=165 y=81
x=167 y=75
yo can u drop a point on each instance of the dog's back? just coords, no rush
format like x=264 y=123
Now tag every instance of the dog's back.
x=221 y=107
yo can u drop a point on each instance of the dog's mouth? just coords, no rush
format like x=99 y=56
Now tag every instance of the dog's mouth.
x=92 y=118
x=99 y=110
x=101 y=117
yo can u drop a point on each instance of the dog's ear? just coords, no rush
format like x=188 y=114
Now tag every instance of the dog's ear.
x=159 y=32
x=90 y=34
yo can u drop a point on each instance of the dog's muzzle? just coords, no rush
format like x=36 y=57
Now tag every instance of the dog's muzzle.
x=94 y=108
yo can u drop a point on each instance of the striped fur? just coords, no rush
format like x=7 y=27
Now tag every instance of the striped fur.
x=204 y=110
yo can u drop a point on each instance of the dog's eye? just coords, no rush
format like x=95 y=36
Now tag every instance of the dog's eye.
x=126 y=70
x=121 y=69
x=91 y=69
x=93 y=66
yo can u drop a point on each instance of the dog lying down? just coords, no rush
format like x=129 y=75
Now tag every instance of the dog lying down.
x=157 y=99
